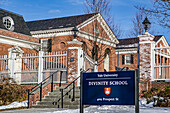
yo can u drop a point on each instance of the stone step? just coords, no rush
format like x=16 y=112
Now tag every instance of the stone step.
x=65 y=90
x=69 y=93
x=77 y=95
x=55 y=98
x=65 y=102
x=73 y=106
x=50 y=100
x=44 y=106
x=65 y=107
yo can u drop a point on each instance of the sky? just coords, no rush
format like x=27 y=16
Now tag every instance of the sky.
x=123 y=11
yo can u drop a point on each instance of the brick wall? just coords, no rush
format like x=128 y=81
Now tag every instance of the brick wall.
x=130 y=66
x=18 y=35
x=160 y=85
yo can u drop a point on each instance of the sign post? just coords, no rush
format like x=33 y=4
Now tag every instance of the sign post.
x=136 y=91
x=81 y=92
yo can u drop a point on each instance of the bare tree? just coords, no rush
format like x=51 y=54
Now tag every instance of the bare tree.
x=116 y=28
x=160 y=10
x=102 y=7
x=137 y=27
x=97 y=48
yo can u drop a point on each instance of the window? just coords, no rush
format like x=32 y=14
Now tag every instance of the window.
x=8 y=23
x=84 y=46
x=95 y=53
x=127 y=59
x=96 y=29
x=62 y=45
x=46 y=45
x=106 y=59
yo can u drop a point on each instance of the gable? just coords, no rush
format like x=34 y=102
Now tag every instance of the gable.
x=162 y=42
x=104 y=30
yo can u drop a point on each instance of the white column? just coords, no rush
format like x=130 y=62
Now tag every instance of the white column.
x=153 y=64
x=40 y=68
x=11 y=64
x=18 y=67
x=80 y=64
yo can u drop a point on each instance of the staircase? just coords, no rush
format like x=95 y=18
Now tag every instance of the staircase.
x=51 y=100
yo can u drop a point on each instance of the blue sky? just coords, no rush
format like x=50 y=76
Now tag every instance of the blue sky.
x=122 y=10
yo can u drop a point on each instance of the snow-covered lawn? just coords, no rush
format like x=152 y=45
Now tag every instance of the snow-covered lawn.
x=15 y=105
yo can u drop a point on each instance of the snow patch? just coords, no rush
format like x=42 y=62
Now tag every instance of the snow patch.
x=15 y=104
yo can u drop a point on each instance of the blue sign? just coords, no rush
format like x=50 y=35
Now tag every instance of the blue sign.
x=109 y=88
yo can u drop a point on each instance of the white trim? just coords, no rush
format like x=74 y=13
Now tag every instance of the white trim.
x=51 y=31
x=125 y=52
x=161 y=54
x=61 y=32
x=162 y=48
x=164 y=42
x=17 y=42
x=81 y=34
x=100 y=40
x=88 y=21
x=52 y=34
x=107 y=28
x=74 y=47
x=11 y=28
x=143 y=42
x=75 y=41
x=126 y=59
x=104 y=25
x=152 y=57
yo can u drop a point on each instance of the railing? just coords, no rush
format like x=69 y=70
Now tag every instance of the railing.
x=72 y=89
x=40 y=86
x=161 y=64
x=63 y=95
x=122 y=69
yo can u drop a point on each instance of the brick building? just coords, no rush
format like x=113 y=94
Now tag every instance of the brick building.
x=55 y=48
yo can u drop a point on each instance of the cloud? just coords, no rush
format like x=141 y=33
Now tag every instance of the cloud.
x=54 y=11
x=4 y=2
x=76 y=2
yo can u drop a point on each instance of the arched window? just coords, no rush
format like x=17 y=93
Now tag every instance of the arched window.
x=106 y=59
x=84 y=47
x=95 y=53
x=62 y=45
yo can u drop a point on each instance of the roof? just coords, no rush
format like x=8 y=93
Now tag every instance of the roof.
x=127 y=43
x=157 y=37
x=19 y=23
x=58 y=23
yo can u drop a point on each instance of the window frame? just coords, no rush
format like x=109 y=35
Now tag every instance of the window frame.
x=48 y=49
x=124 y=59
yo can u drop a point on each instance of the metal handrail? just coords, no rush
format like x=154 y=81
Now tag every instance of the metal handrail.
x=30 y=91
x=63 y=95
x=73 y=88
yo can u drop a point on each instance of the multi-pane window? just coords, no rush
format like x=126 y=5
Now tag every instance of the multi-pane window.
x=46 y=45
x=8 y=23
x=127 y=59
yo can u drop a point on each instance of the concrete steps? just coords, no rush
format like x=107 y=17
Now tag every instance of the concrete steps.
x=50 y=100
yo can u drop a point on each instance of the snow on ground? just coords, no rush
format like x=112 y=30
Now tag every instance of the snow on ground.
x=144 y=108
x=15 y=104
x=117 y=109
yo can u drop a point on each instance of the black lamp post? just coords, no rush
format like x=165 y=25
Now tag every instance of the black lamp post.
x=146 y=24
x=75 y=30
